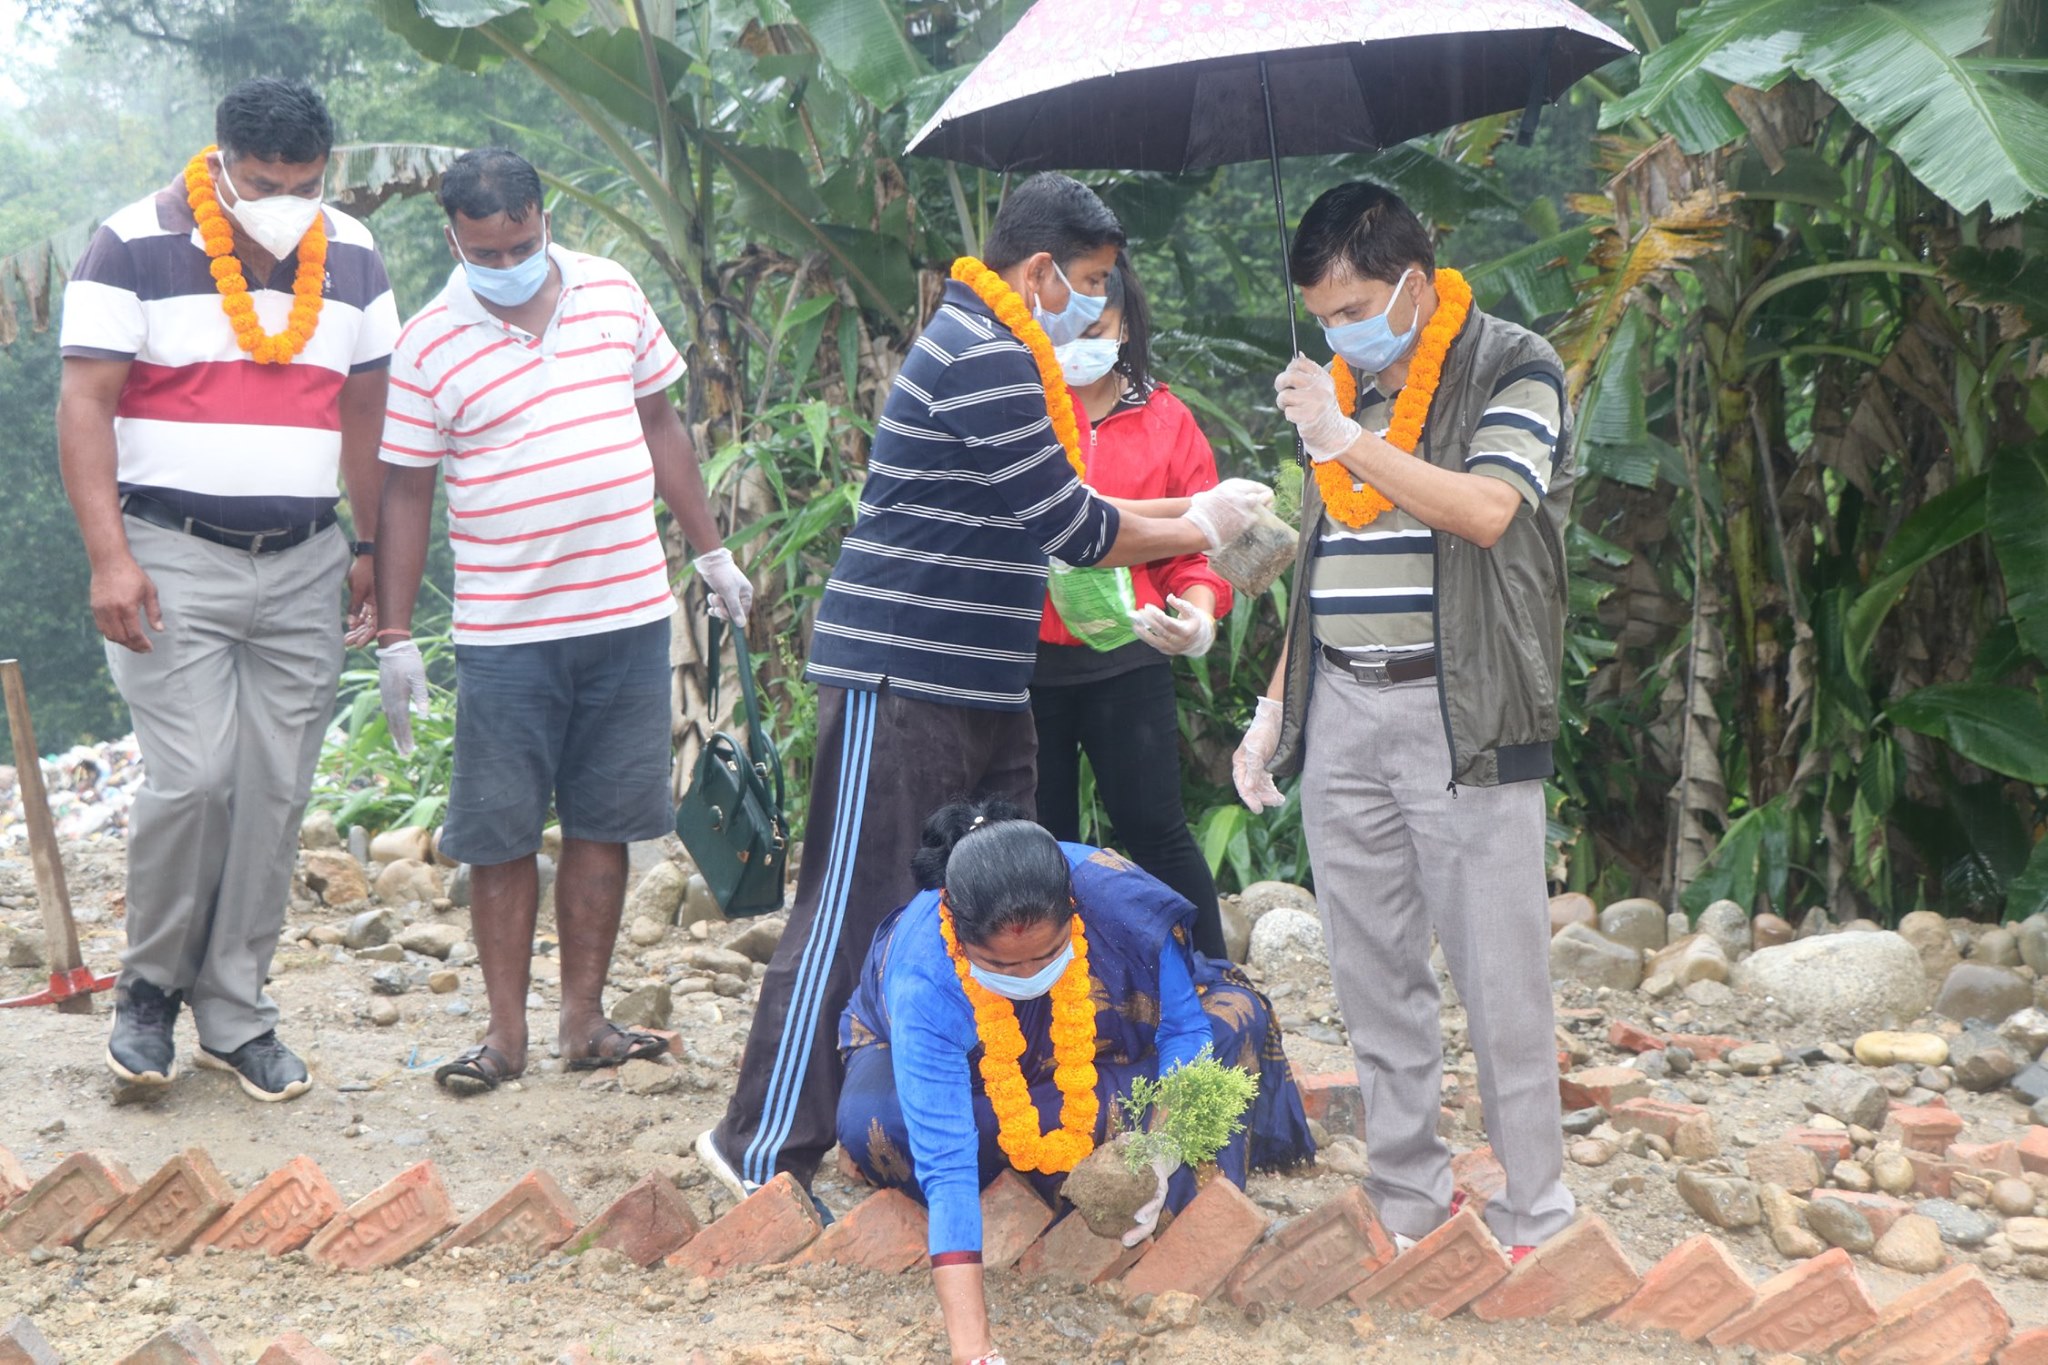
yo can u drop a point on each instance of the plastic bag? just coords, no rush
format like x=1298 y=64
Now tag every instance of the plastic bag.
x=1095 y=604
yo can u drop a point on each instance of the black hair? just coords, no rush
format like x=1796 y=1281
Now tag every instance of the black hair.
x=1050 y=212
x=1134 y=357
x=1363 y=228
x=998 y=868
x=489 y=181
x=273 y=120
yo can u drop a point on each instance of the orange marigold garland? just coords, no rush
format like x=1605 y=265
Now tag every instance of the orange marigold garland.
x=1011 y=312
x=1073 y=1048
x=219 y=238
x=1358 y=504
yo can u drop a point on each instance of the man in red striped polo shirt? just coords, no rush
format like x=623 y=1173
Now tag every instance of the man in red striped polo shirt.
x=225 y=343
x=538 y=384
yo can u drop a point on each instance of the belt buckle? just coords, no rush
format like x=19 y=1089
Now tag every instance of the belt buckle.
x=1369 y=671
x=256 y=541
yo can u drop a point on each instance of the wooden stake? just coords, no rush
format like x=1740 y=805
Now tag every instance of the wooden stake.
x=51 y=895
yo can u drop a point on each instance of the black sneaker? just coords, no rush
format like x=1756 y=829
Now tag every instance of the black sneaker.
x=141 y=1049
x=270 y=1071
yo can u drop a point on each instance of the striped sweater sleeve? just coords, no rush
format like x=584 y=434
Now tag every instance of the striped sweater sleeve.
x=1516 y=440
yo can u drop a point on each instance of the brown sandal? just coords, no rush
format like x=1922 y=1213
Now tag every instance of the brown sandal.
x=478 y=1071
x=639 y=1047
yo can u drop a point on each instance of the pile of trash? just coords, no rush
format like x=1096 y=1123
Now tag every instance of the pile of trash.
x=90 y=788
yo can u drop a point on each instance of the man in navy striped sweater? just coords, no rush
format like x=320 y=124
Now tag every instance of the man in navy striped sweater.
x=926 y=639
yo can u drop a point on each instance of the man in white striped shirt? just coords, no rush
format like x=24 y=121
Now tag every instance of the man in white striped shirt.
x=538 y=384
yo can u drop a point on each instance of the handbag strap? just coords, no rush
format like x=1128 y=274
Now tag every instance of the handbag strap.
x=756 y=736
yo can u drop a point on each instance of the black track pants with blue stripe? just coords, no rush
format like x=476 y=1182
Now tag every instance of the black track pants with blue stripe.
x=885 y=762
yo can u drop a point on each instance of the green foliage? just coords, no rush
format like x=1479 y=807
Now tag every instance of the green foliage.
x=1189 y=1114
x=362 y=778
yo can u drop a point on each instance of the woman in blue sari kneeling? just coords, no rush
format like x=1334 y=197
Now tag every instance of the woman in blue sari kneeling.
x=1002 y=1013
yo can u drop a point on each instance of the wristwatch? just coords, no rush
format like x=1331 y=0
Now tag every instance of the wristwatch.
x=362 y=547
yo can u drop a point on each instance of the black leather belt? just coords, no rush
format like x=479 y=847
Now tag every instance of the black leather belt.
x=143 y=507
x=1409 y=669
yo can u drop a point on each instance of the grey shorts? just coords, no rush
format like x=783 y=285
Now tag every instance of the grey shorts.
x=582 y=722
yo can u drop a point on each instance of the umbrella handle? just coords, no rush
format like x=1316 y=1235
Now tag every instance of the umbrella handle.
x=1280 y=222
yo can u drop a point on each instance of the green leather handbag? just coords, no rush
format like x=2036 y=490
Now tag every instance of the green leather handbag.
x=731 y=818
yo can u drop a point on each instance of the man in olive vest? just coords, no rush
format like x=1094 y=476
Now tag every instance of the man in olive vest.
x=1417 y=695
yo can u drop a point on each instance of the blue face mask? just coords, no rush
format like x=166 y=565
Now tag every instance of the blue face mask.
x=1078 y=316
x=1025 y=987
x=1087 y=360
x=1369 y=345
x=507 y=286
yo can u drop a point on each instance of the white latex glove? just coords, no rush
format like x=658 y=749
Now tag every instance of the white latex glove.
x=1227 y=511
x=1248 y=765
x=731 y=596
x=1147 y=1218
x=402 y=686
x=1188 y=634
x=1308 y=398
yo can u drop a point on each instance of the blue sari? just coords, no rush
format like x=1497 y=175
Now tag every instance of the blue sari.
x=912 y=1058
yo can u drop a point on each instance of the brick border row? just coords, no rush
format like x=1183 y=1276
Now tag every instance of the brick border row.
x=1221 y=1244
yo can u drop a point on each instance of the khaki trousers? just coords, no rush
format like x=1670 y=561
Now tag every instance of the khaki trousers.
x=1399 y=855
x=230 y=707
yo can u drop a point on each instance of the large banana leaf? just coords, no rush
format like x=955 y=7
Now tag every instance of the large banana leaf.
x=2017 y=517
x=865 y=41
x=2004 y=729
x=1939 y=524
x=1894 y=65
x=775 y=196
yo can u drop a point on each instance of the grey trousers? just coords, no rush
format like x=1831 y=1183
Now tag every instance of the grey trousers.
x=230 y=707
x=1397 y=855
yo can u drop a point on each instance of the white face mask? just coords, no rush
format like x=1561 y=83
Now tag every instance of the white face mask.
x=277 y=223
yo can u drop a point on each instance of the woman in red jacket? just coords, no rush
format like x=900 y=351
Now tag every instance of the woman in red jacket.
x=1117 y=706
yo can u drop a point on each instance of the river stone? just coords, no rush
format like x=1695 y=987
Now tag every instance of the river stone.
x=1710 y=994
x=1727 y=923
x=1960 y=1226
x=1788 y=1231
x=1814 y=923
x=1852 y=1175
x=659 y=894
x=1287 y=936
x=2031 y=1084
x=2027 y=1030
x=1752 y=1058
x=409 y=880
x=318 y=831
x=1676 y=926
x=395 y=845
x=1892 y=1170
x=430 y=938
x=1572 y=908
x=644 y=932
x=1579 y=952
x=1913 y=1245
x=1974 y=991
x=2029 y=1236
x=1107 y=1193
x=1785 y=1164
x=459 y=883
x=1237 y=928
x=1997 y=948
x=1768 y=931
x=1889 y=1048
x=1843 y=1092
x=1929 y=934
x=335 y=877
x=370 y=929
x=699 y=905
x=1981 y=1060
x=644 y=1007
x=2032 y=933
x=1695 y=958
x=1261 y=897
x=1840 y=1225
x=1636 y=923
x=1726 y=1201
x=2012 y=1197
x=760 y=938
x=1841 y=983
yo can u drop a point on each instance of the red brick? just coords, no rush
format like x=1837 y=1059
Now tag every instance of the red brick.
x=1315 y=1258
x=1925 y=1128
x=14 y=1181
x=1930 y=1174
x=183 y=1344
x=1576 y=1274
x=1827 y=1146
x=1694 y=1289
x=1564 y=1062
x=281 y=1214
x=1441 y=1273
x=668 y=1036
x=1786 y=1164
x=1331 y=1098
x=1633 y=1037
x=1953 y=1319
x=1602 y=1086
x=21 y=1343
x=887 y=1232
x=1809 y=1309
x=578 y=1354
x=2034 y=1150
x=63 y=1206
x=770 y=1225
x=1203 y=1244
x=1071 y=1251
x=1999 y=1158
x=646 y=1223
x=1708 y=1047
x=1012 y=1216
x=1479 y=1175
x=293 y=1348
x=2028 y=1348
x=388 y=1224
x=1879 y=1210
x=1647 y=1115
x=433 y=1355
x=532 y=1218
x=173 y=1207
